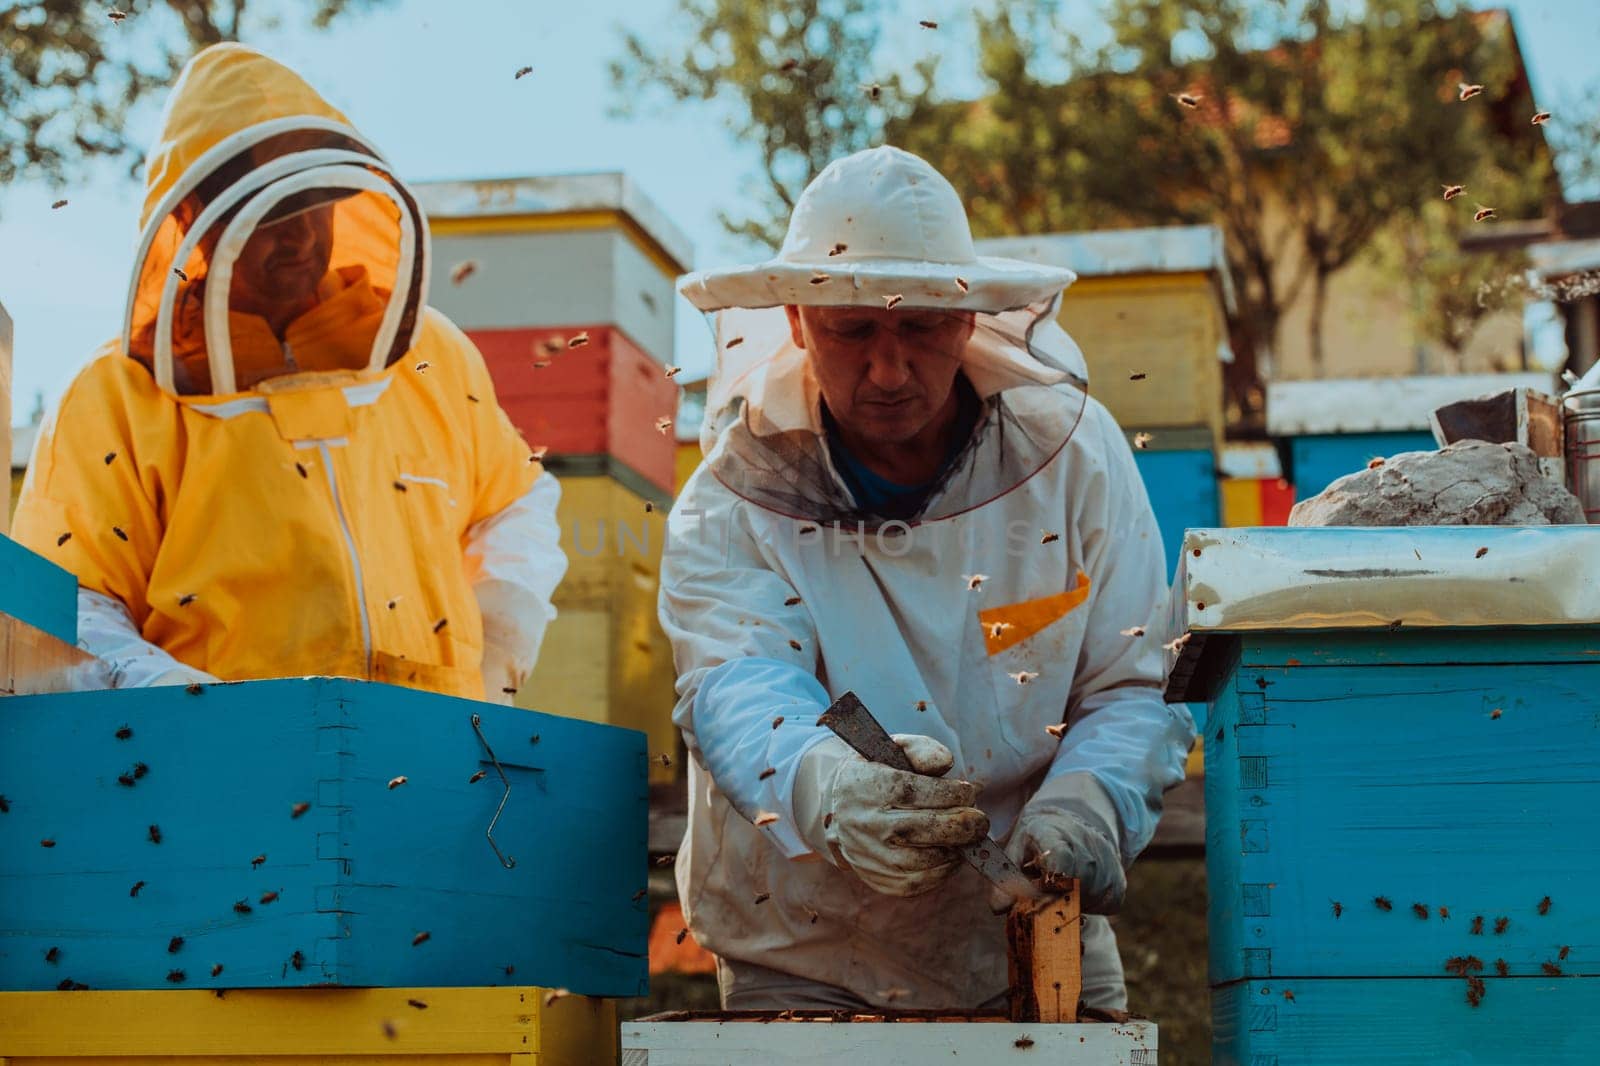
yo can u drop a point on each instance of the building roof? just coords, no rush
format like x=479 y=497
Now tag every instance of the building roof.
x=22 y=444
x=557 y=194
x=1378 y=405
x=1105 y=253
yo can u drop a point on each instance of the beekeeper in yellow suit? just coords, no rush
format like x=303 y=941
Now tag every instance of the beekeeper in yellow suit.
x=287 y=464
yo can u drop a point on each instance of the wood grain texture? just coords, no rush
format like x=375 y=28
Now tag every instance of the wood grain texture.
x=1449 y=788
x=1044 y=947
x=363 y=871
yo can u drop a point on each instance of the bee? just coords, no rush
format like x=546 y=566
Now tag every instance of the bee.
x=134 y=891
x=1394 y=626
x=554 y=994
x=974 y=581
x=873 y=91
x=268 y=897
x=765 y=818
x=473 y=398
x=1133 y=631
x=827 y=819
x=193 y=689
x=175 y=945
x=1564 y=952
x=463 y=270
x=734 y=342
x=120 y=534
x=181 y=275
x=795 y=644
x=1501 y=968
x=241 y=907
x=840 y=247
x=256 y=862
x=421 y=938
x=1288 y=995
x=298 y=809
x=928 y=24
x=1022 y=677
x=961 y=283
x=538 y=453
x=1058 y=730
x=298 y=960
x=664 y=759
x=922 y=705
x=1500 y=925
x=997 y=629
x=509 y=690
x=762 y=897
x=892 y=301
x=1338 y=909
x=216 y=969
x=400 y=486
x=1176 y=643
x=422 y=367
x=522 y=72
x=1544 y=906
x=440 y=624
x=1137 y=375
x=663 y=424
x=1481 y=552
x=768 y=772
x=395 y=602
x=683 y=934
x=1047 y=537
x=1142 y=440
x=417 y=1003
x=63 y=539
x=578 y=339
x=1374 y=463
x=1477 y=925
x=58 y=205
x=1495 y=713
x=1475 y=990
x=55 y=953
x=1022 y=1042
x=1467 y=92
x=1550 y=969
x=115 y=16
x=396 y=782
x=789 y=65
x=1189 y=100
x=672 y=372
x=1383 y=904
x=814 y=915
x=1483 y=214
x=510 y=970
x=479 y=776
x=666 y=860
x=552 y=345
x=111 y=457
x=1541 y=117
x=776 y=722
x=1453 y=191
x=637 y=896
x=155 y=834
x=177 y=977
x=300 y=468
x=187 y=598
x=1420 y=910
x=819 y=278
x=125 y=780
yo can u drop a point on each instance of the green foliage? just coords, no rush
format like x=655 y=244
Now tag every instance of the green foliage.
x=70 y=72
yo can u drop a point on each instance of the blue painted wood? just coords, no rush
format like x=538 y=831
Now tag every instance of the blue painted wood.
x=1486 y=647
x=38 y=592
x=1349 y=1022
x=1328 y=786
x=1315 y=462
x=363 y=871
x=1183 y=491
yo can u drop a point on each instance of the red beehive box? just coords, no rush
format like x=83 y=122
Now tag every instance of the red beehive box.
x=603 y=398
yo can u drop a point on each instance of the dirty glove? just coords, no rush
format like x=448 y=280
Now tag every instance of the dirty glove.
x=182 y=675
x=892 y=829
x=1069 y=829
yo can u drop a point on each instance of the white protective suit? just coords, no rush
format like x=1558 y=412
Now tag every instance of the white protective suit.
x=779 y=596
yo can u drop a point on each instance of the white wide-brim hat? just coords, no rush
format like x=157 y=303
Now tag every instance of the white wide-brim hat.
x=879 y=224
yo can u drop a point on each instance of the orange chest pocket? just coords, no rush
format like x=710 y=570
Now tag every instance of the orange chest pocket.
x=1010 y=624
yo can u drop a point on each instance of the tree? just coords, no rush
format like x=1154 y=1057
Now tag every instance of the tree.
x=71 y=70
x=796 y=79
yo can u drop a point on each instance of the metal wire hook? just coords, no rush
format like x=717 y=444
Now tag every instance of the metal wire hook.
x=505 y=860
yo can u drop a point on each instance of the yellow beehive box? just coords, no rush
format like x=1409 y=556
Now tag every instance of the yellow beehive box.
x=1147 y=301
x=302 y=1027
x=605 y=657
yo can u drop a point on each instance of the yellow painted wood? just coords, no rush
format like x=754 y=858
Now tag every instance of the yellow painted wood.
x=558 y=221
x=1169 y=328
x=685 y=462
x=605 y=657
x=458 y=1027
x=1241 y=501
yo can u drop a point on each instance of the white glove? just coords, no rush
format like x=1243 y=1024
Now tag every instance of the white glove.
x=1069 y=829
x=501 y=678
x=182 y=675
x=892 y=829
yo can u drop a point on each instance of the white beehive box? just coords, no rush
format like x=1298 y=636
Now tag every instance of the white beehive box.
x=897 y=1043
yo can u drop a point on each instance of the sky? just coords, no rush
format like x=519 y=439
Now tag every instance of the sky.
x=431 y=83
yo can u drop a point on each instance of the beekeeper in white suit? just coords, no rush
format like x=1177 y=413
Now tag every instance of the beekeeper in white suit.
x=906 y=493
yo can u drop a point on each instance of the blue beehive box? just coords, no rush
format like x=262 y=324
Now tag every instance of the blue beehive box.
x=1402 y=791
x=152 y=836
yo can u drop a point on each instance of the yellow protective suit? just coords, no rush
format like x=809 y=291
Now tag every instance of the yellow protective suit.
x=317 y=523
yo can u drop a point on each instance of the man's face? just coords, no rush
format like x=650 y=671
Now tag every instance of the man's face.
x=283 y=263
x=885 y=374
